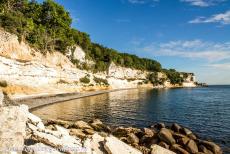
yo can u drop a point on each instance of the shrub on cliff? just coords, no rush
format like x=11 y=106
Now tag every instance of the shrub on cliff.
x=85 y=80
x=101 y=81
x=3 y=84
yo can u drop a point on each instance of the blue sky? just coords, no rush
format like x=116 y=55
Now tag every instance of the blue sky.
x=188 y=35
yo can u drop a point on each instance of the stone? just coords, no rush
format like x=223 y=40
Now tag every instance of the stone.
x=123 y=132
x=183 y=141
x=94 y=144
x=1 y=98
x=62 y=130
x=175 y=127
x=82 y=125
x=164 y=145
x=78 y=133
x=178 y=135
x=89 y=131
x=192 y=136
x=33 y=119
x=158 y=126
x=113 y=145
x=67 y=143
x=40 y=148
x=203 y=149
x=186 y=131
x=132 y=139
x=156 y=149
x=191 y=146
x=40 y=125
x=143 y=149
x=65 y=124
x=32 y=127
x=166 y=136
x=148 y=132
x=99 y=126
x=178 y=149
x=211 y=146
x=13 y=128
x=148 y=141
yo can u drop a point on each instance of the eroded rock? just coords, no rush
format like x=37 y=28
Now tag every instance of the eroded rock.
x=166 y=136
x=159 y=150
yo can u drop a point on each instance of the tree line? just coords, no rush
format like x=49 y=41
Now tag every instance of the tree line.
x=47 y=27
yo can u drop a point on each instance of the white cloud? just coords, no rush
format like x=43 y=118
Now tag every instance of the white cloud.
x=142 y=1
x=203 y=3
x=222 y=18
x=223 y=66
x=195 y=49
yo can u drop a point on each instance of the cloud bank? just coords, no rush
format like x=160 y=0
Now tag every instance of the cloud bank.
x=222 y=18
x=203 y=3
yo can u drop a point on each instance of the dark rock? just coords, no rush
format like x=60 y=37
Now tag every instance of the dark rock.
x=191 y=146
x=203 y=149
x=132 y=139
x=178 y=149
x=158 y=126
x=123 y=132
x=65 y=124
x=186 y=131
x=166 y=136
x=89 y=131
x=99 y=126
x=77 y=132
x=164 y=145
x=148 y=141
x=143 y=149
x=192 y=136
x=178 y=135
x=148 y=132
x=175 y=127
x=82 y=125
x=211 y=146
x=183 y=141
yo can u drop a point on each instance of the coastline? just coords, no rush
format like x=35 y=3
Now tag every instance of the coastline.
x=37 y=101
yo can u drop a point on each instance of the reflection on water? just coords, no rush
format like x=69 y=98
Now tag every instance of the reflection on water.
x=205 y=110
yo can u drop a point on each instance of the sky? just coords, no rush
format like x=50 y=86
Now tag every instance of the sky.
x=188 y=35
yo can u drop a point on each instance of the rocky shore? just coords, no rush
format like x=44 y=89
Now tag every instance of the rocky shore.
x=23 y=132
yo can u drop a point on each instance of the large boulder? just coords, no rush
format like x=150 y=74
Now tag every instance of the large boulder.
x=178 y=149
x=12 y=127
x=175 y=127
x=160 y=150
x=40 y=148
x=94 y=144
x=211 y=146
x=114 y=146
x=82 y=125
x=99 y=126
x=191 y=146
x=132 y=139
x=166 y=136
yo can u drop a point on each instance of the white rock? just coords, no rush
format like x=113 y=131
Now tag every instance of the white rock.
x=34 y=119
x=41 y=148
x=32 y=127
x=40 y=125
x=115 y=146
x=62 y=130
x=1 y=97
x=12 y=127
x=94 y=145
x=156 y=149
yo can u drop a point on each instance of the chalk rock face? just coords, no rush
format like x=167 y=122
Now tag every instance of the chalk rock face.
x=79 y=54
x=12 y=128
x=115 y=146
x=156 y=149
x=125 y=73
x=1 y=98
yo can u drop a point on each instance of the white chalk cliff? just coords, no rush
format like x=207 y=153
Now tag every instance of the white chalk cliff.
x=27 y=71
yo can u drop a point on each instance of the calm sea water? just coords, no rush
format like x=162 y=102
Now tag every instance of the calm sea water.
x=205 y=110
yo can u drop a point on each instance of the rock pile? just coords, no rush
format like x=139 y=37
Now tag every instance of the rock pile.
x=174 y=138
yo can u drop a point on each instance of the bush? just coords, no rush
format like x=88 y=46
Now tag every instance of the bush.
x=101 y=81
x=3 y=84
x=85 y=80
x=61 y=81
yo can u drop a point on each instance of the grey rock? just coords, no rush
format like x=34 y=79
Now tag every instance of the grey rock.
x=166 y=136
x=191 y=146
